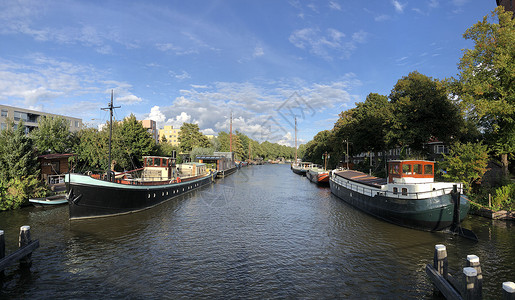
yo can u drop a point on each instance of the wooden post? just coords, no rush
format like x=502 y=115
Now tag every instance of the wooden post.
x=2 y=254
x=471 y=291
x=473 y=261
x=440 y=260
x=25 y=239
x=508 y=290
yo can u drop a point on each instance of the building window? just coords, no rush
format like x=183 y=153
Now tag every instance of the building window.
x=441 y=149
x=18 y=115
x=3 y=126
x=77 y=124
x=4 y=113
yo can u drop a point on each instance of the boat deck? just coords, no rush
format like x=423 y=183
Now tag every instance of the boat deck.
x=360 y=177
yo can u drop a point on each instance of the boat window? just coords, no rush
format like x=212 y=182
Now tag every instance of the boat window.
x=148 y=161
x=417 y=169
x=394 y=169
x=395 y=190
x=428 y=170
x=405 y=191
x=156 y=162
x=406 y=169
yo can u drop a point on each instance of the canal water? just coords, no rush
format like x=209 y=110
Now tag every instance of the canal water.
x=263 y=232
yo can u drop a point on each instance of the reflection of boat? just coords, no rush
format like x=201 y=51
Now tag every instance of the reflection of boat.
x=52 y=200
x=92 y=196
x=318 y=175
x=301 y=168
x=409 y=198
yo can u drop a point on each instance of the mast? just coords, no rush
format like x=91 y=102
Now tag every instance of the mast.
x=110 y=107
x=230 y=136
x=295 y=139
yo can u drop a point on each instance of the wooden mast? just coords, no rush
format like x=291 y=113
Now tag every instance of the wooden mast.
x=110 y=107
x=295 y=140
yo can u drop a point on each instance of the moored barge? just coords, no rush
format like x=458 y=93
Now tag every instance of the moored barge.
x=409 y=197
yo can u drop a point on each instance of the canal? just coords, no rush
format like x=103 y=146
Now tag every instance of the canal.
x=263 y=232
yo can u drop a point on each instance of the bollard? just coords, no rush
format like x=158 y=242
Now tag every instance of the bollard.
x=471 y=291
x=2 y=253
x=25 y=239
x=508 y=290
x=440 y=260
x=473 y=261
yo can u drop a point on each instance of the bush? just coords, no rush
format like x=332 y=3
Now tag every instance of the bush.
x=17 y=191
x=504 y=197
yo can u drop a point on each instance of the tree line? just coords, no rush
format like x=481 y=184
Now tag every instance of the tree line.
x=473 y=113
x=19 y=167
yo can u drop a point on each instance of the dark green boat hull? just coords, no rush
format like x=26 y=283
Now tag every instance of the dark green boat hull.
x=430 y=214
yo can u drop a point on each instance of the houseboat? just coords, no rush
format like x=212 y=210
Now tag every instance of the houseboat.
x=111 y=194
x=301 y=168
x=318 y=175
x=408 y=197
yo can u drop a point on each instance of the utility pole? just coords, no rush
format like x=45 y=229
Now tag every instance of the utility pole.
x=110 y=107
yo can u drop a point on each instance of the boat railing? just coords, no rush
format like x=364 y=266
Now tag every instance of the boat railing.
x=370 y=191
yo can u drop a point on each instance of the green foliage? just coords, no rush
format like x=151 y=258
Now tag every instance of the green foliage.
x=18 y=168
x=486 y=83
x=504 y=197
x=421 y=111
x=52 y=135
x=166 y=149
x=132 y=142
x=465 y=163
x=17 y=191
x=191 y=137
x=91 y=150
x=17 y=156
x=198 y=151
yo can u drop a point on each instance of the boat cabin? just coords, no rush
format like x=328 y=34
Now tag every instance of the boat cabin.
x=158 y=168
x=192 y=169
x=410 y=171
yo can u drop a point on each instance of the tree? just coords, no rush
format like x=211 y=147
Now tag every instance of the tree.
x=52 y=135
x=372 y=124
x=132 y=142
x=465 y=163
x=422 y=110
x=91 y=150
x=19 y=168
x=191 y=137
x=487 y=80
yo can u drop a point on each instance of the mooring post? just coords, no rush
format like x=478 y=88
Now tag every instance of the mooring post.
x=2 y=253
x=25 y=239
x=473 y=261
x=440 y=260
x=471 y=291
x=508 y=290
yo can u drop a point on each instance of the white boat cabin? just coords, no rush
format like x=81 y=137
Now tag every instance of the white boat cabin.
x=192 y=169
x=157 y=168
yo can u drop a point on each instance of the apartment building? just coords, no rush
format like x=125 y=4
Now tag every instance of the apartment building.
x=151 y=127
x=171 y=134
x=30 y=118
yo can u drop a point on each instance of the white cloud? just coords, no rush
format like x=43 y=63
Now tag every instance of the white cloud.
x=434 y=3
x=177 y=121
x=382 y=18
x=335 y=5
x=398 y=6
x=326 y=46
x=129 y=99
x=156 y=115
x=258 y=51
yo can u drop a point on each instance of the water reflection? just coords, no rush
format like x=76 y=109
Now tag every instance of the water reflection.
x=263 y=232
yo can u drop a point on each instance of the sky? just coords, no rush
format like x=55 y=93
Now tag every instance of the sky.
x=265 y=62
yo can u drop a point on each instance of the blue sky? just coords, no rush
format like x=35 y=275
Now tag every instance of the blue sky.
x=196 y=61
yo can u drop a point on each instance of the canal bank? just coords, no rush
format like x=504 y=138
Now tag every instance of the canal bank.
x=263 y=232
